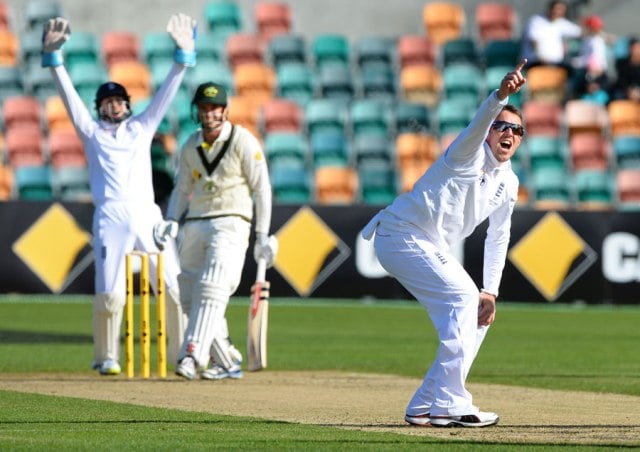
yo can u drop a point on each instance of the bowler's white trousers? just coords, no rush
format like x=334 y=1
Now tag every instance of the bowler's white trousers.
x=445 y=289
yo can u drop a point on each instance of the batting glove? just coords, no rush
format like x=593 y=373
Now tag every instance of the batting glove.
x=54 y=34
x=183 y=29
x=163 y=231
x=266 y=247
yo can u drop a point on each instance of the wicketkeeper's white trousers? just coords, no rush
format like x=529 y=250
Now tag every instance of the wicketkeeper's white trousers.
x=451 y=298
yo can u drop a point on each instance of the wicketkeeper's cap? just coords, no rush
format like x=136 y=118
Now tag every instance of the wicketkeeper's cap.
x=210 y=93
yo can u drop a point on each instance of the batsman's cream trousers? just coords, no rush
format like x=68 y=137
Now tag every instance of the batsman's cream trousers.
x=438 y=281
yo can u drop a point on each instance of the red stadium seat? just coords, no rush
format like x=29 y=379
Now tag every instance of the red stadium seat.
x=584 y=116
x=495 y=21
x=589 y=150
x=244 y=48
x=415 y=49
x=19 y=110
x=628 y=184
x=25 y=145
x=281 y=115
x=65 y=149
x=120 y=46
x=272 y=18
x=542 y=118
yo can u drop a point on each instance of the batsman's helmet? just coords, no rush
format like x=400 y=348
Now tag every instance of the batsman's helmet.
x=210 y=93
x=111 y=89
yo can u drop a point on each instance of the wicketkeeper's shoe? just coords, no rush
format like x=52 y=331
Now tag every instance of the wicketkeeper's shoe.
x=187 y=368
x=481 y=419
x=217 y=372
x=109 y=367
x=421 y=420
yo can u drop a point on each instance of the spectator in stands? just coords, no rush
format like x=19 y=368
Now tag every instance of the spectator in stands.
x=590 y=66
x=545 y=35
x=627 y=85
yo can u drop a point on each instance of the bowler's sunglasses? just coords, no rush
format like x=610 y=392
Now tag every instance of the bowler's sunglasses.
x=501 y=126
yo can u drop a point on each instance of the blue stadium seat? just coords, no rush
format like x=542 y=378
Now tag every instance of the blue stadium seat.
x=331 y=48
x=545 y=151
x=412 y=117
x=34 y=182
x=461 y=50
x=379 y=82
x=296 y=82
x=286 y=146
x=550 y=188
x=71 y=183
x=287 y=48
x=462 y=81
x=374 y=51
x=323 y=115
x=626 y=150
x=378 y=184
x=329 y=148
x=369 y=116
x=501 y=53
x=291 y=182
x=82 y=47
x=453 y=115
x=223 y=17
x=372 y=147
x=594 y=189
x=336 y=82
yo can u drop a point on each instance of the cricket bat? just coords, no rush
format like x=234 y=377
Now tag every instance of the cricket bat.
x=258 y=318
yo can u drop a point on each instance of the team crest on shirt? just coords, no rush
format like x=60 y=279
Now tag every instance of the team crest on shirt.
x=197 y=175
x=258 y=155
x=209 y=186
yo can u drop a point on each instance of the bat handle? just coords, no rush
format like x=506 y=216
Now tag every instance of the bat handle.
x=262 y=270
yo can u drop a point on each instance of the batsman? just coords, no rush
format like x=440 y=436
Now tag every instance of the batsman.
x=222 y=169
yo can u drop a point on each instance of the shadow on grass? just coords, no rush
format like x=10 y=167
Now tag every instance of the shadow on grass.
x=38 y=337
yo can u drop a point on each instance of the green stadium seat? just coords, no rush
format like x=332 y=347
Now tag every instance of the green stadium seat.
x=39 y=83
x=594 y=189
x=453 y=115
x=287 y=48
x=462 y=81
x=210 y=47
x=335 y=81
x=87 y=77
x=412 y=117
x=37 y=12
x=286 y=146
x=34 y=183
x=545 y=151
x=331 y=48
x=223 y=17
x=210 y=71
x=31 y=47
x=379 y=82
x=378 y=184
x=296 y=82
x=374 y=51
x=369 y=116
x=323 y=115
x=550 y=188
x=372 y=147
x=291 y=182
x=493 y=78
x=82 y=47
x=71 y=183
x=329 y=148
x=626 y=151
x=461 y=50
x=501 y=53
x=158 y=46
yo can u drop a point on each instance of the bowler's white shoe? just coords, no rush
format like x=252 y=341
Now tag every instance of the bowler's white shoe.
x=217 y=372
x=420 y=420
x=109 y=367
x=187 y=368
x=480 y=419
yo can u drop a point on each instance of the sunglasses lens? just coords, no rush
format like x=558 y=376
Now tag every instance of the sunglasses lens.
x=501 y=126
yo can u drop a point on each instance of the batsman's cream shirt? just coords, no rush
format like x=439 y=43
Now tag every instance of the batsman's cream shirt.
x=465 y=186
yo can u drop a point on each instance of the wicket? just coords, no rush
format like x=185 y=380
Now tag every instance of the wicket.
x=145 y=320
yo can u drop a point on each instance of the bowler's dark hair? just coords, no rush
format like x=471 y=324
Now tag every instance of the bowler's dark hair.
x=513 y=109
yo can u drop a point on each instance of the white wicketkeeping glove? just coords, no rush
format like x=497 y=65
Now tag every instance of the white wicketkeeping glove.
x=163 y=231
x=55 y=33
x=266 y=247
x=182 y=30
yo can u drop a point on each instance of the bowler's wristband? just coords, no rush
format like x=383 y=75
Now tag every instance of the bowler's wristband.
x=186 y=57
x=52 y=59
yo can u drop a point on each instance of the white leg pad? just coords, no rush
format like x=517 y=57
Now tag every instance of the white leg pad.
x=176 y=324
x=186 y=284
x=107 y=320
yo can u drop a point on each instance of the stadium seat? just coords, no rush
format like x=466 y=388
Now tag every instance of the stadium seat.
x=421 y=84
x=34 y=182
x=65 y=149
x=243 y=47
x=39 y=83
x=296 y=82
x=372 y=147
x=10 y=82
x=291 y=182
x=545 y=151
x=377 y=183
x=369 y=116
x=379 y=82
x=589 y=150
x=21 y=110
x=71 y=183
x=286 y=146
x=323 y=115
x=374 y=51
x=37 y=12
x=9 y=48
x=583 y=116
x=493 y=78
x=287 y=48
x=87 y=78
x=82 y=47
x=594 y=189
x=272 y=18
x=210 y=71
x=443 y=21
x=30 y=42
x=503 y=53
x=415 y=149
x=5 y=16
x=255 y=80
x=330 y=48
x=415 y=49
x=158 y=46
x=335 y=185
x=624 y=117
x=462 y=81
x=223 y=17
x=335 y=81
x=135 y=76
x=25 y=146
x=412 y=117
x=459 y=50
x=282 y=115
x=329 y=148
x=159 y=70
x=547 y=83
x=626 y=151
x=245 y=110
x=453 y=115
x=495 y=20
x=542 y=118
x=628 y=188
x=119 y=46
x=550 y=189
x=6 y=182
x=209 y=47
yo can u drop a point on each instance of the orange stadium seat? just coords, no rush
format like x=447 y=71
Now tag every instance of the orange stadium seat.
x=547 y=83
x=65 y=149
x=120 y=46
x=245 y=111
x=624 y=117
x=335 y=185
x=443 y=21
x=415 y=49
x=244 y=48
x=25 y=146
x=584 y=116
x=628 y=185
x=56 y=115
x=421 y=84
x=135 y=76
x=19 y=110
x=6 y=182
x=495 y=21
x=9 y=48
x=589 y=150
x=542 y=117
x=272 y=18
x=256 y=80
x=282 y=115
x=415 y=149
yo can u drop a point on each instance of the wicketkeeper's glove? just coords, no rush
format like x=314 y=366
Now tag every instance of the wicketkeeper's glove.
x=266 y=247
x=54 y=34
x=183 y=30
x=163 y=231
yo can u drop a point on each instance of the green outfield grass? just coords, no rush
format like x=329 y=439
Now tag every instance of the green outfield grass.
x=545 y=346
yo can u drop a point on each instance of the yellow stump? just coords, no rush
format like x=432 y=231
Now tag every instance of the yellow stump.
x=161 y=335
x=145 y=319
x=129 y=326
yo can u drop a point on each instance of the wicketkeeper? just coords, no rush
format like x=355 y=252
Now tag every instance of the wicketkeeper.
x=117 y=146
x=222 y=168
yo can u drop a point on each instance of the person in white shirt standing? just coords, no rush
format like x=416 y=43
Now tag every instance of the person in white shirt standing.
x=117 y=146
x=470 y=182
x=222 y=168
